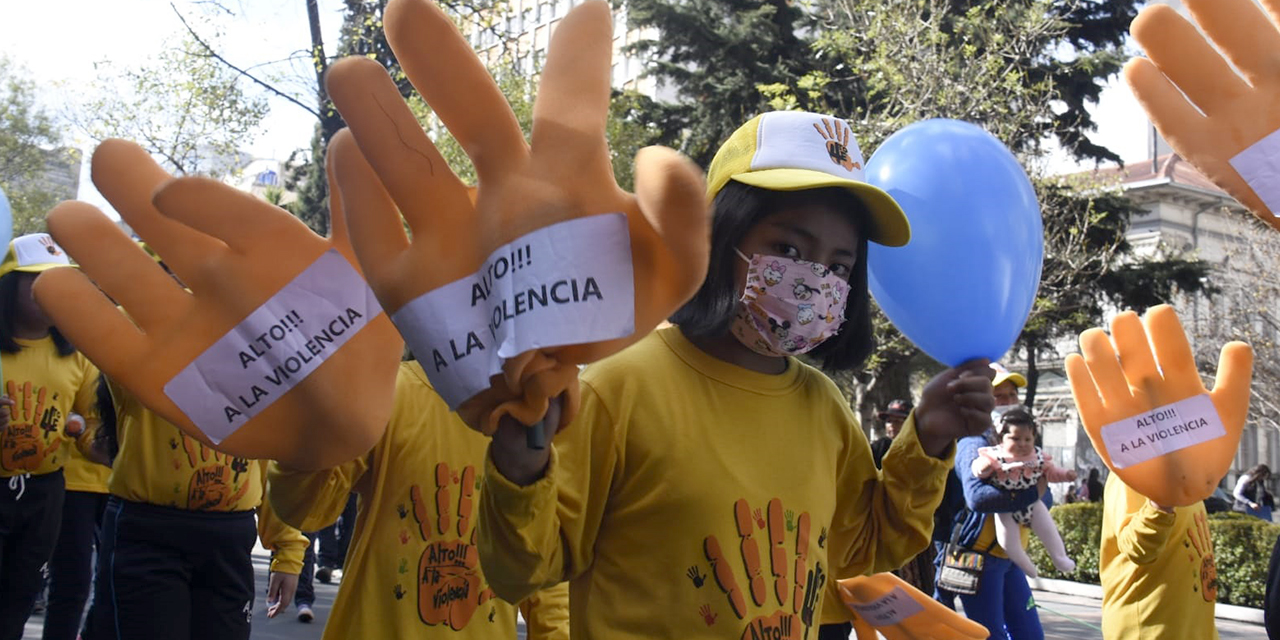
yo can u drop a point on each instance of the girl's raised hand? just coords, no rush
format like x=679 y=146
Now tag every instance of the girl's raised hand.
x=465 y=237
x=268 y=344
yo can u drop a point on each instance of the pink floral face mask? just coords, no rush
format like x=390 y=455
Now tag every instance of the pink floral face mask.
x=789 y=306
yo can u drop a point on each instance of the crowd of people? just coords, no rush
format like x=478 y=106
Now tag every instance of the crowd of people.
x=712 y=484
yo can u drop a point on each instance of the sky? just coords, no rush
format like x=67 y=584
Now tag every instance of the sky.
x=61 y=44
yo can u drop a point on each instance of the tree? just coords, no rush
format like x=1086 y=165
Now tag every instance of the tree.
x=29 y=141
x=1246 y=307
x=183 y=107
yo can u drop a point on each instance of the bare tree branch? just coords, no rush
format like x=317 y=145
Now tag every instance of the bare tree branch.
x=219 y=58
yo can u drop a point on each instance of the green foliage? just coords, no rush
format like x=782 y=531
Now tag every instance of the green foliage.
x=28 y=140
x=1241 y=546
x=1081 y=527
x=183 y=106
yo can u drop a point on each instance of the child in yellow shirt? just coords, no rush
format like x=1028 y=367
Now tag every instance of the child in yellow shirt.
x=712 y=485
x=412 y=570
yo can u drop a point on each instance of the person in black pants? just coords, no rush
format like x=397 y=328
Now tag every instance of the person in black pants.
x=1271 y=601
x=71 y=566
x=334 y=541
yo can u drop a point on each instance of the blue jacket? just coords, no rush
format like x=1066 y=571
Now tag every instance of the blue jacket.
x=981 y=498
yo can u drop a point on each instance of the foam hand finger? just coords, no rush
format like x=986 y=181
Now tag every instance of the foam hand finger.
x=1147 y=412
x=1221 y=122
x=501 y=292
x=899 y=611
x=247 y=357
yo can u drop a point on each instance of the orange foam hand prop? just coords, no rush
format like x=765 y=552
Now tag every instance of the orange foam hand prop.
x=1225 y=124
x=899 y=611
x=503 y=290
x=1147 y=411
x=270 y=346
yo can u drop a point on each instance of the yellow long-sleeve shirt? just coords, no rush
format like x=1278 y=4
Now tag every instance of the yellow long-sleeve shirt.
x=695 y=499
x=1158 y=575
x=412 y=569
x=158 y=464
x=46 y=388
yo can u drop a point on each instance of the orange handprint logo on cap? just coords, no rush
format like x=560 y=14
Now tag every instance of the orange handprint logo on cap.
x=33 y=429
x=796 y=588
x=450 y=587
x=837 y=137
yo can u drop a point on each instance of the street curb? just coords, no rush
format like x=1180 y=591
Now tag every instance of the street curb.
x=1066 y=587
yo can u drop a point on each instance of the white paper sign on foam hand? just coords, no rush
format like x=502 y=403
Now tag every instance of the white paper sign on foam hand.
x=282 y=342
x=569 y=283
x=890 y=609
x=1163 y=430
x=1259 y=165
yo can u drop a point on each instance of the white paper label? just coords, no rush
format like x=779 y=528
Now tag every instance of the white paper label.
x=275 y=348
x=1166 y=429
x=1259 y=165
x=569 y=283
x=890 y=609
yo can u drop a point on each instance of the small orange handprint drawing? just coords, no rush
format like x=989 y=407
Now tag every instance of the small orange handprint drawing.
x=450 y=588
x=837 y=137
x=1199 y=539
x=215 y=482
x=783 y=621
x=28 y=440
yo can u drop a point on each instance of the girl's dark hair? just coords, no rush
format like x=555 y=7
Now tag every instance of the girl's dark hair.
x=9 y=317
x=738 y=208
x=107 y=439
x=1018 y=417
x=1257 y=469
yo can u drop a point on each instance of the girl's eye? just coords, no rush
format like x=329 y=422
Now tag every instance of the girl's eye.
x=841 y=270
x=787 y=251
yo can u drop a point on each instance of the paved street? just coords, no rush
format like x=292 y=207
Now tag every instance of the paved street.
x=1056 y=614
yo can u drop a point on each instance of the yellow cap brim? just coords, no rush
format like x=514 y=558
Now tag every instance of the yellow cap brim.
x=889 y=222
x=1015 y=378
x=35 y=268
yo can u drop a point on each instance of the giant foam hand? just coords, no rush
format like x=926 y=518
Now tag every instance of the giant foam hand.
x=1147 y=411
x=505 y=289
x=900 y=611
x=272 y=346
x=1224 y=124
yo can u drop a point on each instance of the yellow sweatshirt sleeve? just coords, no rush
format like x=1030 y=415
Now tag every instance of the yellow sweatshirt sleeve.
x=288 y=543
x=546 y=613
x=310 y=500
x=884 y=519
x=1144 y=530
x=543 y=534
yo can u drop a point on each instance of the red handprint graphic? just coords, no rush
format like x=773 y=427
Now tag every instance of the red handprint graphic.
x=33 y=432
x=707 y=615
x=783 y=622
x=450 y=588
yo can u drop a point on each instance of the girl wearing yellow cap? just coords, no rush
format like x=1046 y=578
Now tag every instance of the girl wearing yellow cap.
x=45 y=380
x=713 y=485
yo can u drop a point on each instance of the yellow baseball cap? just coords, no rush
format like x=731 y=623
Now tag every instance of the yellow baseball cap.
x=33 y=253
x=1004 y=375
x=797 y=150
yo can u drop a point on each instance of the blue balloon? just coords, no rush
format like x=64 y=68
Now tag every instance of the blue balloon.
x=963 y=287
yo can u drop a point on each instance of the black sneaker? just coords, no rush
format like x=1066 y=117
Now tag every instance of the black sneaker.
x=305 y=614
x=324 y=574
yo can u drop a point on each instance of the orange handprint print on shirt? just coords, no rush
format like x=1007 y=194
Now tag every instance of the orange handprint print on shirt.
x=216 y=482
x=450 y=588
x=783 y=622
x=33 y=432
x=1199 y=547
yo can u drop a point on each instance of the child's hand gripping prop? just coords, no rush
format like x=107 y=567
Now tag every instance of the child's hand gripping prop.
x=1147 y=411
x=272 y=346
x=1228 y=126
x=899 y=611
x=549 y=264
